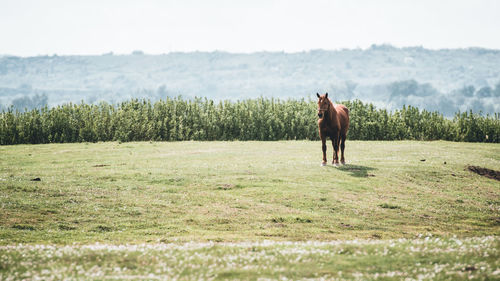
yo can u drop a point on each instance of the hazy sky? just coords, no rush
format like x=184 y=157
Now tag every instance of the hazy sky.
x=36 y=27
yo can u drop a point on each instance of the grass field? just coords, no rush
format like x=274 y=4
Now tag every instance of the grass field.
x=234 y=194
x=428 y=258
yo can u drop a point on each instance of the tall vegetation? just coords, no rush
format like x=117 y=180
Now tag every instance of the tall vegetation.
x=177 y=119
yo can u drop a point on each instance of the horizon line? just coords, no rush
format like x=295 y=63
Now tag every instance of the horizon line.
x=139 y=52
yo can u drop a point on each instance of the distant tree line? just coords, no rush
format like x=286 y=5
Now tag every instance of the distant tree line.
x=264 y=119
x=484 y=98
x=446 y=80
x=28 y=103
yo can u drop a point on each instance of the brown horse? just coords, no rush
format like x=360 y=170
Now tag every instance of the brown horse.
x=333 y=122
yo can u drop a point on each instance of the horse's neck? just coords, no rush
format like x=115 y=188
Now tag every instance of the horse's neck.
x=332 y=113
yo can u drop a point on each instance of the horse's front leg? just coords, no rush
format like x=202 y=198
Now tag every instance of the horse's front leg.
x=335 y=143
x=323 y=146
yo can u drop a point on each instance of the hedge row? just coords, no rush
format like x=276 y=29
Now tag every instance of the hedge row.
x=177 y=119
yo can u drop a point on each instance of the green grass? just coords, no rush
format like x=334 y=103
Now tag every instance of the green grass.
x=430 y=259
x=244 y=191
x=133 y=193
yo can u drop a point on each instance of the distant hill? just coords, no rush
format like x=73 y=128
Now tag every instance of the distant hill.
x=446 y=80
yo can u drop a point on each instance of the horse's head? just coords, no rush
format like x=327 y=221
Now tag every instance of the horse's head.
x=323 y=104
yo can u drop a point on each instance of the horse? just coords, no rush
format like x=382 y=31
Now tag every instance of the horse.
x=333 y=122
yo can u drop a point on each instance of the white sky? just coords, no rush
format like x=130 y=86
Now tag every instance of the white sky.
x=36 y=27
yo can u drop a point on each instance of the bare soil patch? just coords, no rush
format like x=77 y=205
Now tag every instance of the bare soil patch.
x=492 y=174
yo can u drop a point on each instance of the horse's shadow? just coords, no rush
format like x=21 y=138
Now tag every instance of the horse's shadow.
x=356 y=170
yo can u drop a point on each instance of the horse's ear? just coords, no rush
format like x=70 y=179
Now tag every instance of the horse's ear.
x=326 y=95
x=317 y=95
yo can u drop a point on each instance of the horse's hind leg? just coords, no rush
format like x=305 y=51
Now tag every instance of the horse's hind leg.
x=342 y=146
x=335 y=143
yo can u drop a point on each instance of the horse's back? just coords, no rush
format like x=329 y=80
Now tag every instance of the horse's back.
x=342 y=109
x=343 y=115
